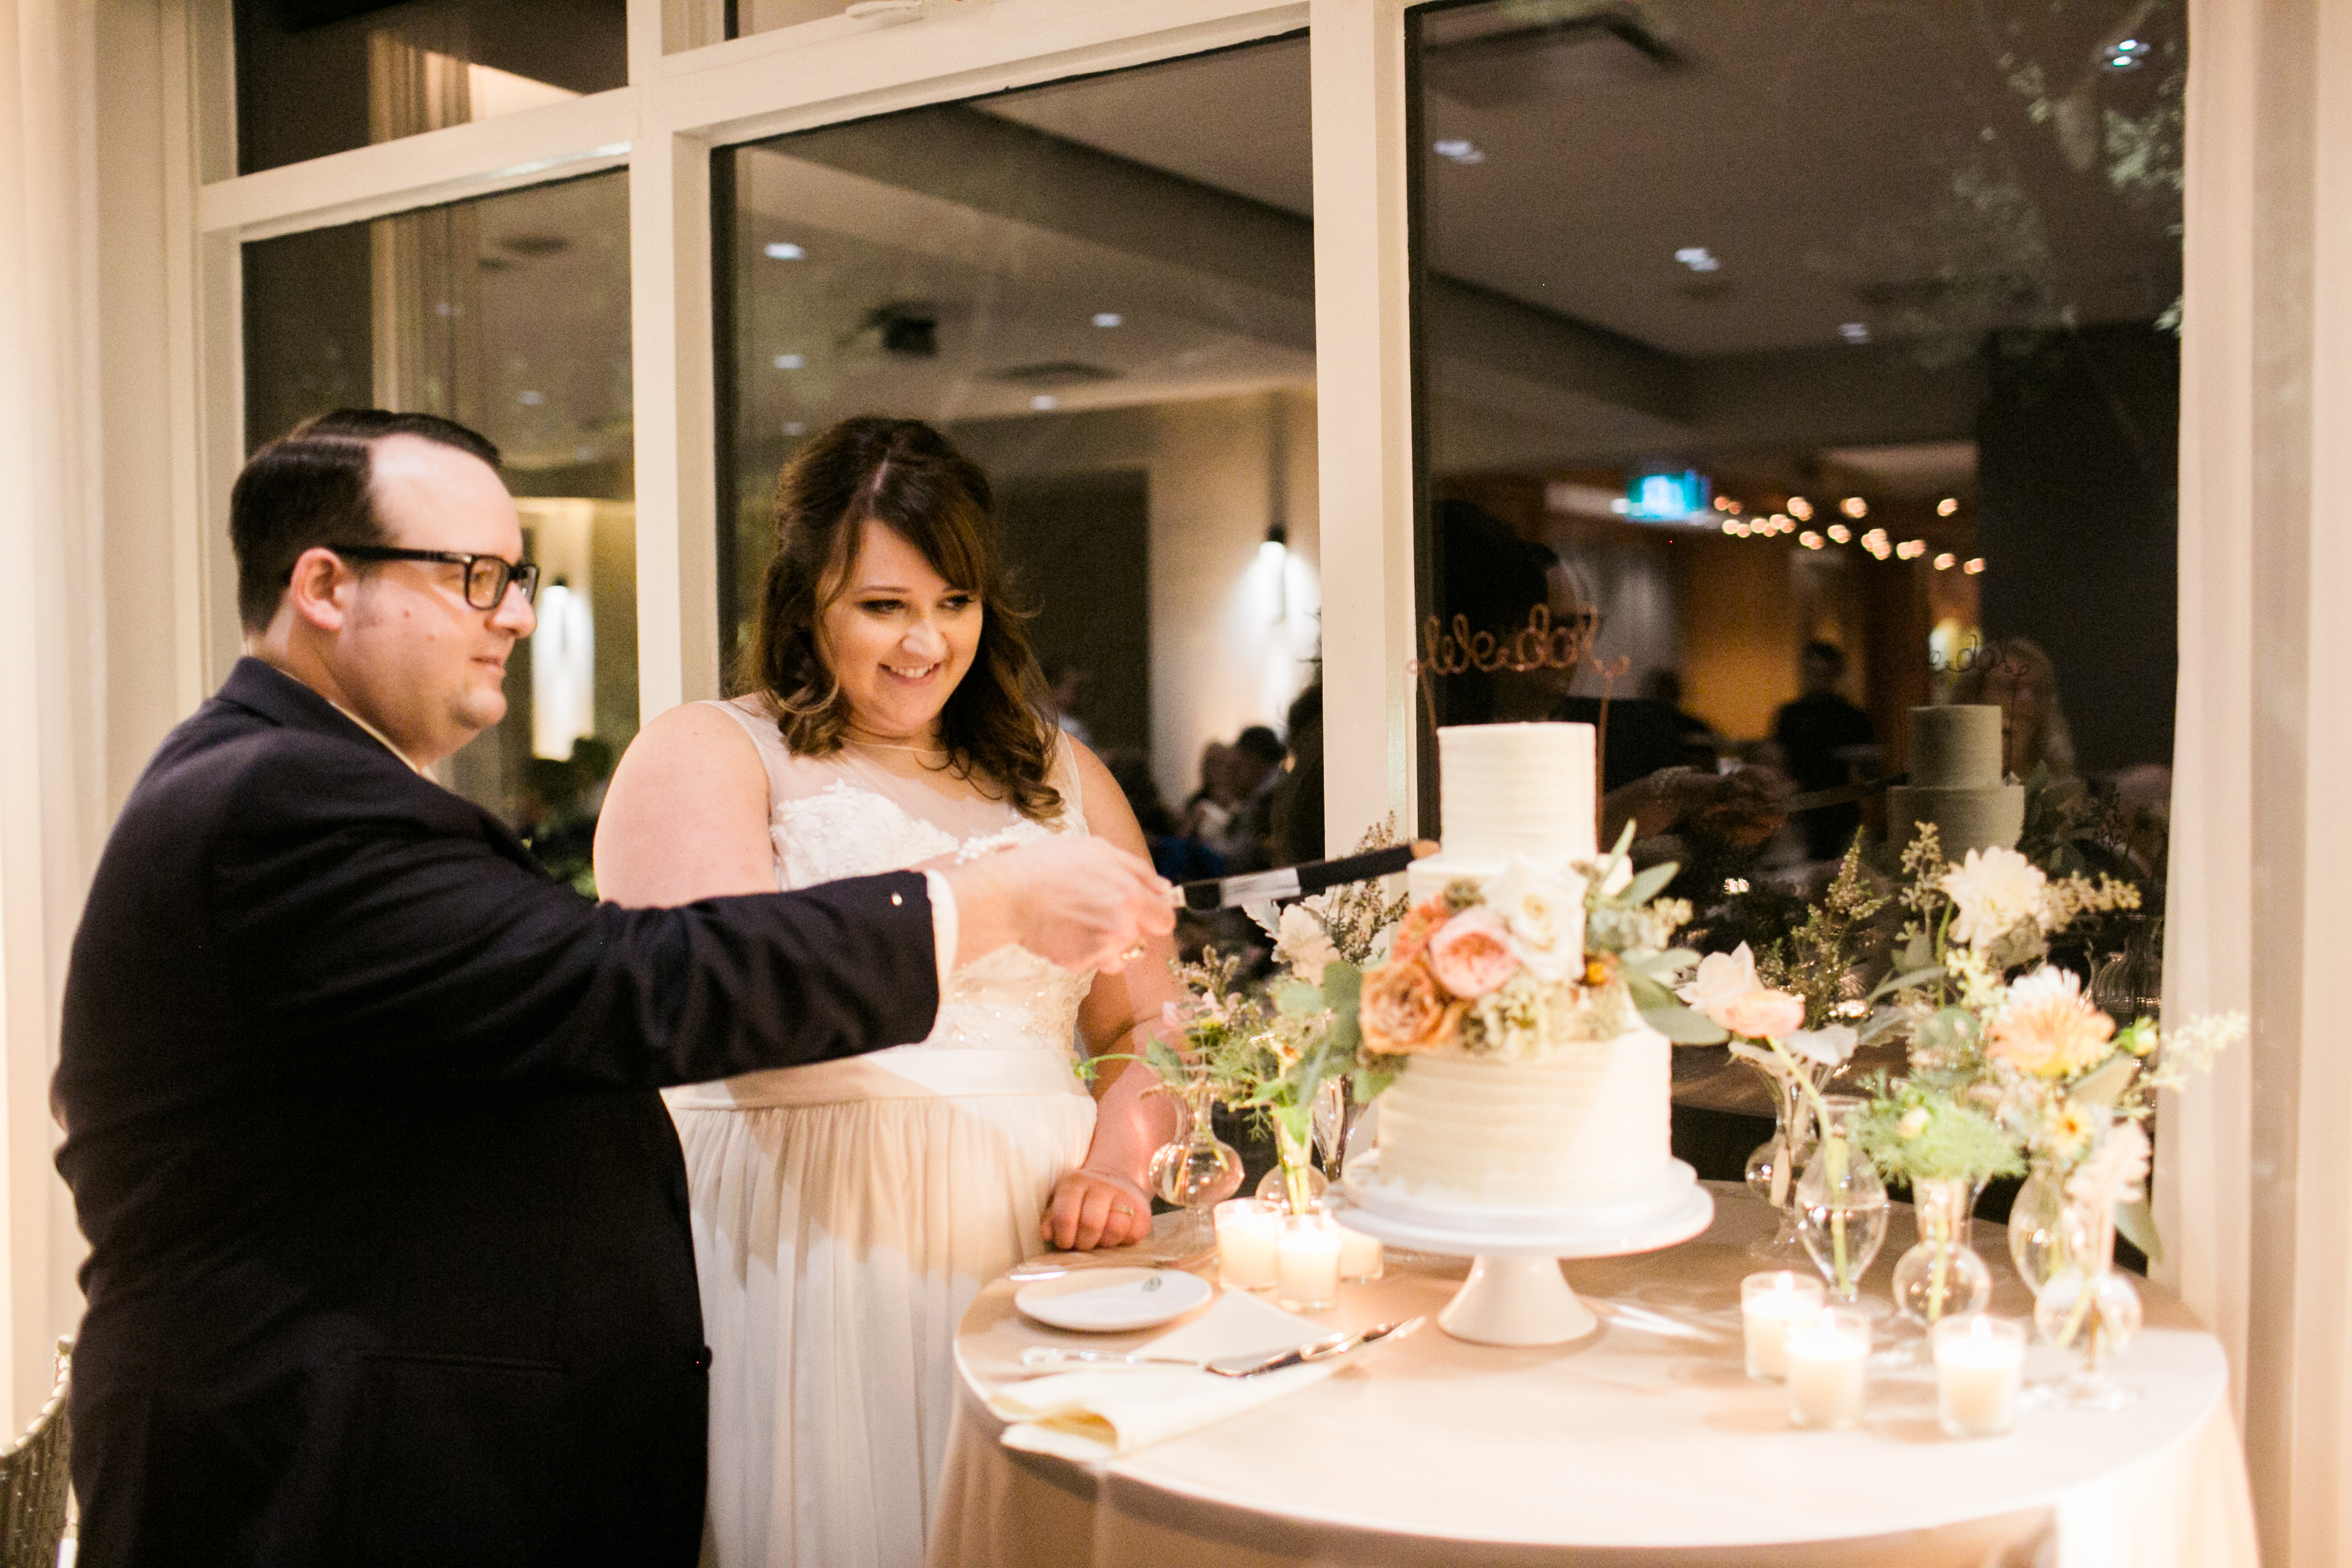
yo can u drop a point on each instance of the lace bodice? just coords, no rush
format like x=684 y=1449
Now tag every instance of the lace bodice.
x=844 y=816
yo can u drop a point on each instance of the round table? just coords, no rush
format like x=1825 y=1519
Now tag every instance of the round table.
x=1645 y=1443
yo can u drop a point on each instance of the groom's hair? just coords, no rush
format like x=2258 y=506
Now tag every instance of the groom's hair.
x=311 y=486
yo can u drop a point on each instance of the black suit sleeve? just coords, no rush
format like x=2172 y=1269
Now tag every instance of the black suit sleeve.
x=372 y=938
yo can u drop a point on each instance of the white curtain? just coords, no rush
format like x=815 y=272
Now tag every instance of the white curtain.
x=2256 y=1168
x=52 y=740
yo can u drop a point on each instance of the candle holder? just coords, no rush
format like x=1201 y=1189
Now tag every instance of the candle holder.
x=1769 y=1305
x=1247 y=1229
x=1980 y=1365
x=1306 y=1262
x=1828 y=1358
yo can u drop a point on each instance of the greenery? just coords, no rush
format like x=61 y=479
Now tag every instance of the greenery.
x=1915 y=1132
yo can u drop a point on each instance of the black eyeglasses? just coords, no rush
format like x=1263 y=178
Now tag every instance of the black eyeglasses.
x=487 y=576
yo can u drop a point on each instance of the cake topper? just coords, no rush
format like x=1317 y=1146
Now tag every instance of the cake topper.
x=1539 y=645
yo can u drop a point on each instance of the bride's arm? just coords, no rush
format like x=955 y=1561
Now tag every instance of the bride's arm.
x=1103 y=1202
x=685 y=816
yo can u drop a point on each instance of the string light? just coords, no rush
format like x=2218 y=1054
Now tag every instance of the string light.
x=1947 y=506
x=1946 y=562
x=1811 y=540
x=1855 y=507
x=1974 y=565
x=1841 y=533
x=1800 y=509
x=1911 y=550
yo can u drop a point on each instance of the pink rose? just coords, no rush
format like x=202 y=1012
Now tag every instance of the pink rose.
x=1470 y=953
x=1760 y=1015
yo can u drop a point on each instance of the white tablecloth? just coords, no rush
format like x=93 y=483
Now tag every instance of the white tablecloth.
x=1643 y=1444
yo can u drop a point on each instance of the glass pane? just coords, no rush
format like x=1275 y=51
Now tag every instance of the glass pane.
x=511 y=315
x=1103 y=291
x=315 y=77
x=1828 y=350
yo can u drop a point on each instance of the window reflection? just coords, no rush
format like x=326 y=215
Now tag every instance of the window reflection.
x=510 y=315
x=315 y=77
x=1103 y=290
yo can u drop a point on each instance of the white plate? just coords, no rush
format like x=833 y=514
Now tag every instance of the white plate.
x=1113 y=1301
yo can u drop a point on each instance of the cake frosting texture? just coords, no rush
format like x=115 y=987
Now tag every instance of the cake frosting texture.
x=1508 y=789
x=1956 y=782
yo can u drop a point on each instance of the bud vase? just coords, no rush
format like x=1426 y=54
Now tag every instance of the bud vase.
x=1841 y=1204
x=2034 y=1224
x=1294 y=1183
x=1772 y=1169
x=2090 y=1309
x=1941 y=1275
x=1199 y=1170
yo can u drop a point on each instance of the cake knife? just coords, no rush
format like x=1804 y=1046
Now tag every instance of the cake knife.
x=1292 y=881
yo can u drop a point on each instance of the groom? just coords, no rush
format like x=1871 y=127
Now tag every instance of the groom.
x=388 y=1250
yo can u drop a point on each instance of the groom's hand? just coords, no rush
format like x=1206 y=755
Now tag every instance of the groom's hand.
x=1072 y=899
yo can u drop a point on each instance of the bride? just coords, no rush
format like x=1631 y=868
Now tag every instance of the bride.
x=846 y=1213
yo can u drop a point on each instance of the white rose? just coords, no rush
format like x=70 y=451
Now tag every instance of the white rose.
x=1830 y=1047
x=1303 y=944
x=1994 y=891
x=1544 y=912
x=1720 y=977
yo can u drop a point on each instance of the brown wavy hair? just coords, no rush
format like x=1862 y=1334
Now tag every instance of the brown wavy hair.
x=908 y=478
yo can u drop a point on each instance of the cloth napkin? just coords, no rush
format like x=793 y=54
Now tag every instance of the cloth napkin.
x=1091 y=1416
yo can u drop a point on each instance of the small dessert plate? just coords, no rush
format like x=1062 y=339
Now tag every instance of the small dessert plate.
x=1113 y=1301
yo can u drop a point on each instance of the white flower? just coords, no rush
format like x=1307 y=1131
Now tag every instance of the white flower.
x=1720 y=977
x=1544 y=913
x=1994 y=890
x=1301 y=942
x=1830 y=1047
x=2114 y=1171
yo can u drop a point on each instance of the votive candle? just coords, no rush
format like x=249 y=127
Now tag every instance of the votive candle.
x=1359 y=1255
x=1247 y=1229
x=1980 y=1366
x=1769 y=1303
x=1825 y=1355
x=1306 y=1262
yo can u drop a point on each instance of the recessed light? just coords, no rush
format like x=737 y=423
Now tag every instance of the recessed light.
x=1459 y=149
x=790 y=362
x=530 y=399
x=1110 y=319
x=1947 y=506
x=1855 y=331
x=1697 y=257
x=785 y=250
x=795 y=429
x=1044 y=401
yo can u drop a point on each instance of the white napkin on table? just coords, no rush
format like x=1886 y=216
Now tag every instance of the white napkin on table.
x=1091 y=1416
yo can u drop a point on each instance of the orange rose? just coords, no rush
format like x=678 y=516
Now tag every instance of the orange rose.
x=1403 y=1010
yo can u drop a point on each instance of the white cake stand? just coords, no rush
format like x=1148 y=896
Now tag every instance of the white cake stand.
x=1516 y=1294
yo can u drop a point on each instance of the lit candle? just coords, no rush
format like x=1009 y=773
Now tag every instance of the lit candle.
x=1825 y=1355
x=1306 y=1262
x=1980 y=1363
x=1359 y=1255
x=1246 y=1231
x=1769 y=1303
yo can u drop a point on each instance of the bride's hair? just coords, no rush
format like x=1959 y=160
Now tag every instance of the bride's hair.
x=908 y=477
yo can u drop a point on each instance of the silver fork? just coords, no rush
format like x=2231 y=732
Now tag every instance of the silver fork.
x=1055 y=1267
x=1052 y=1357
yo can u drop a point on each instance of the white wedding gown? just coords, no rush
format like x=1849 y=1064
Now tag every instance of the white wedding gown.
x=846 y=1213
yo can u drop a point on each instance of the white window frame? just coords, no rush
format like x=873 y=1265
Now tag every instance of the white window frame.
x=663 y=124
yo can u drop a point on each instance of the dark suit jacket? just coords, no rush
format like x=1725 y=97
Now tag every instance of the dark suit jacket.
x=389 y=1259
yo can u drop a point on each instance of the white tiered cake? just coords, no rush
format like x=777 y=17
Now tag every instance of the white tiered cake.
x=1579 y=1129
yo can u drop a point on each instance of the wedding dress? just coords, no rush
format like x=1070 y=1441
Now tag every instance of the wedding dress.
x=846 y=1213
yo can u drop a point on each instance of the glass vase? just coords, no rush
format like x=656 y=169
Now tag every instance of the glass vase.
x=1941 y=1275
x=1334 y=1117
x=1772 y=1169
x=1294 y=1182
x=2033 y=1220
x=2088 y=1308
x=1199 y=1171
x=1841 y=1204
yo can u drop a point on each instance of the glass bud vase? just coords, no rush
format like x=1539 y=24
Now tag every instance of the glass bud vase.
x=1294 y=1183
x=2088 y=1308
x=1941 y=1275
x=1198 y=1172
x=1772 y=1169
x=1841 y=1204
x=2035 y=1245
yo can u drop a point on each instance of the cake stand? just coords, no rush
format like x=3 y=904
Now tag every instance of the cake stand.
x=1516 y=1294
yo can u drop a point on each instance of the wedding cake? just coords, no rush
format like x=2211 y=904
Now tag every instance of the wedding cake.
x=1560 y=1124
x=1957 y=782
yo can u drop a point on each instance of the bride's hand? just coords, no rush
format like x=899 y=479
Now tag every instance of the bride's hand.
x=1093 y=1208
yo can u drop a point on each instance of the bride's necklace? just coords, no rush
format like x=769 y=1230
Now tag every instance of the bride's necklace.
x=938 y=752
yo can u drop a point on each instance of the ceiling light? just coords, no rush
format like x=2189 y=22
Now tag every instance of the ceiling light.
x=790 y=362
x=1044 y=401
x=1855 y=506
x=2124 y=54
x=530 y=399
x=1810 y=540
x=1855 y=331
x=1800 y=509
x=1460 y=148
x=785 y=250
x=1110 y=319
x=1947 y=506
x=1947 y=560
x=795 y=429
x=1973 y=565
x=1840 y=532
x=1697 y=257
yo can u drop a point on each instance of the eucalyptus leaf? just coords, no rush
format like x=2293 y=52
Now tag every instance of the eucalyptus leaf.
x=2136 y=1223
x=1883 y=1022
x=1683 y=1027
x=2105 y=1087
x=1948 y=1029
x=1297 y=998
x=1646 y=991
x=1648 y=885
x=1906 y=979
x=1918 y=954
x=1163 y=1060
x=1343 y=985
x=1369 y=1079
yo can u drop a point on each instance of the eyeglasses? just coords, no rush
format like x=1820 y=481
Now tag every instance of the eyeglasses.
x=487 y=576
